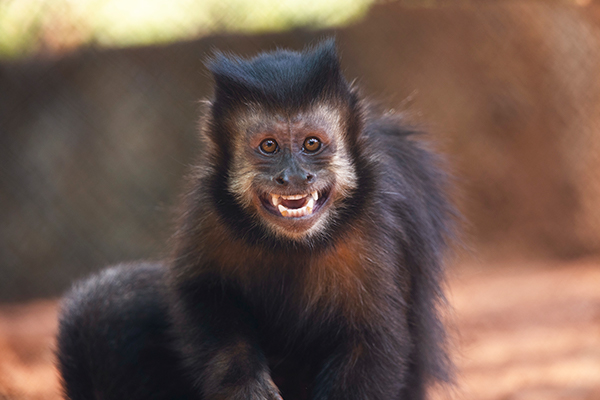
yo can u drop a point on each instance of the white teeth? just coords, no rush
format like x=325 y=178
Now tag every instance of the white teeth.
x=275 y=199
x=297 y=212
x=283 y=210
x=307 y=209
x=294 y=197
x=309 y=206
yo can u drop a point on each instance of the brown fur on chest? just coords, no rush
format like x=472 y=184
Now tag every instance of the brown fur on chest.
x=347 y=279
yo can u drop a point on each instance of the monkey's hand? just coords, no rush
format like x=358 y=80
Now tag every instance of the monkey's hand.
x=261 y=388
x=238 y=372
x=217 y=340
x=364 y=369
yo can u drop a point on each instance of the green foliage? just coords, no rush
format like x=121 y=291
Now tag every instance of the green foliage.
x=34 y=26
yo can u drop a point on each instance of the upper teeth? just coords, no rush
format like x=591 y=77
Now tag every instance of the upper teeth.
x=294 y=197
x=295 y=212
x=275 y=199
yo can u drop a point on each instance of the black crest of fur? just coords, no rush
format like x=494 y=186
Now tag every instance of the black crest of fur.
x=282 y=80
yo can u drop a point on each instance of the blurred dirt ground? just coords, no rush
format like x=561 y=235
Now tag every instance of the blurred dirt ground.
x=523 y=331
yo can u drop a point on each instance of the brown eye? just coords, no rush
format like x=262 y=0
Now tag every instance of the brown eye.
x=312 y=144
x=268 y=146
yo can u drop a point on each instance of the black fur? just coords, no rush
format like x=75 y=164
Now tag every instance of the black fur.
x=282 y=80
x=240 y=312
x=113 y=341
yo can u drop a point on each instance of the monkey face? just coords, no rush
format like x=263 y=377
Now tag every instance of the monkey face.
x=290 y=172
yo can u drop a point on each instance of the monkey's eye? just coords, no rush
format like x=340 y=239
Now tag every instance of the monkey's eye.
x=312 y=144
x=268 y=146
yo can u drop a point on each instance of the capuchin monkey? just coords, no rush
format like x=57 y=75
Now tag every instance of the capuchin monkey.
x=307 y=263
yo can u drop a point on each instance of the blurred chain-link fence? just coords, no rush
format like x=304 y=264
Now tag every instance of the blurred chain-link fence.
x=98 y=113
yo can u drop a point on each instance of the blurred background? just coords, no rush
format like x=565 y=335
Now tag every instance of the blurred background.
x=98 y=117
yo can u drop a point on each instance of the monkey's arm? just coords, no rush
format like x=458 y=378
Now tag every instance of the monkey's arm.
x=216 y=337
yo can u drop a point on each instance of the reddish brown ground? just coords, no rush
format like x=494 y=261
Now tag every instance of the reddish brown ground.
x=526 y=331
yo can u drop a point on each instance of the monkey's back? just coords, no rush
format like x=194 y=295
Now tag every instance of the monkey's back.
x=113 y=340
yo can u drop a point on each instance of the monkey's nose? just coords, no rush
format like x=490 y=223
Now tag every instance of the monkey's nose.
x=301 y=178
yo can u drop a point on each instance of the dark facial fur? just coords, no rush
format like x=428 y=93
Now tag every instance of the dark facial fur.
x=308 y=259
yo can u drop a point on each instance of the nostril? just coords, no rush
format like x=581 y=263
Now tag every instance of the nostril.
x=310 y=178
x=280 y=180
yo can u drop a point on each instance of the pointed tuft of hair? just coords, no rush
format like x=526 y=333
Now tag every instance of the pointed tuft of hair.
x=281 y=79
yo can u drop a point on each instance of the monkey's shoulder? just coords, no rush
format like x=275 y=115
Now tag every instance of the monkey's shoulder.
x=114 y=337
x=402 y=157
x=120 y=293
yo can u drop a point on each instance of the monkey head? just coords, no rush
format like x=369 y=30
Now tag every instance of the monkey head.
x=284 y=125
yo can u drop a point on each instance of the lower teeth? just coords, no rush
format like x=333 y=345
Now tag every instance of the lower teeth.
x=298 y=212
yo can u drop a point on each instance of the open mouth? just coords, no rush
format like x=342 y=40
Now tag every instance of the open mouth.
x=294 y=206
